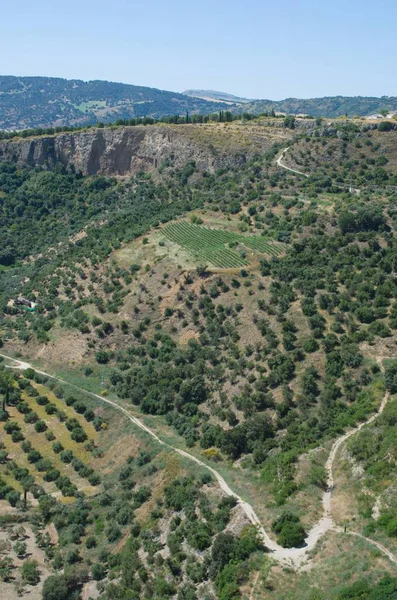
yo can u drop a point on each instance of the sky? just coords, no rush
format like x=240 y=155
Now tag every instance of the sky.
x=256 y=49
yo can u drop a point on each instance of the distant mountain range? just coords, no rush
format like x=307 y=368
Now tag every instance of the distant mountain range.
x=213 y=96
x=333 y=106
x=30 y=102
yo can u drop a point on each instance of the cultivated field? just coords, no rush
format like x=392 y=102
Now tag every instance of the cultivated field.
x=47 y=444
x=210 y=245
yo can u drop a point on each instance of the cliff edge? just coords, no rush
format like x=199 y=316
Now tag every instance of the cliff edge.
x=123 y=151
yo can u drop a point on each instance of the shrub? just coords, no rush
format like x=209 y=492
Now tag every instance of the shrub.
x=52 y=475
x=13 y=497
x=43 y=464
x=57 y=447
x=91 y=542
x=78 y=435
x=102 y=357
x=290 y=531
x=311 y=345
x=31 y=417
x=391 y=378
x=11 y=426
x=67 y=456
x=80 y=407
x=98 y=571
x=42 y=400
x=34 y=456
x=23 y=407
x=40 y=426
x=292 y=536
x=388 y=522
x=289 y=122
x=72 y=424
x=385 y=126
x=30 y=572
x=114 y=533
x=56 y=588
x=94 y=479
x=17 y=436
x=20 y=548
x=26 y=446
x=385 y=589
x=29 y=373
x=89 y=414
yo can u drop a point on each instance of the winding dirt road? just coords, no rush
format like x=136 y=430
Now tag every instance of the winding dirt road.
x=293 y=557
x=283 y=166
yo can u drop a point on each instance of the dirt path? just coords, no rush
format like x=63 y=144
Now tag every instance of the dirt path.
x=380 y=546
x=279 y=162
x=337 y=444
x=253 y=590
x=283 y=166
x=293 y=557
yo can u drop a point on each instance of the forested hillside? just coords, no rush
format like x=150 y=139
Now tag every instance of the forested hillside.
x=37 y=102
x=28 y=102
x=332 y=106
x=231 y=325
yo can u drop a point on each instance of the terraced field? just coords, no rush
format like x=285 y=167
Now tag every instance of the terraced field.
x=210 y=245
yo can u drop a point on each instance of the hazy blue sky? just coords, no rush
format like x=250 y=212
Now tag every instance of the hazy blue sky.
x=256 y=48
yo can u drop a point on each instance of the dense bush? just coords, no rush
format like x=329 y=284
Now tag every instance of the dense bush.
x=385 y=589
x=391 y=378
x=291 y=533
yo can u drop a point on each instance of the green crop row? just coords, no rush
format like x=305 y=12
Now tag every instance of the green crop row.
x=209 y=244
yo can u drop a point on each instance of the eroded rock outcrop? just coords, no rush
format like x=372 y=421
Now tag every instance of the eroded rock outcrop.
x=124 y=151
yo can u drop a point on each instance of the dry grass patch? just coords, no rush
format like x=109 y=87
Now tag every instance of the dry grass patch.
x=338 y=561
x=172 y=469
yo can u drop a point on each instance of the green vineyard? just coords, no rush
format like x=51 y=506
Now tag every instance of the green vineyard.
x=209 y=245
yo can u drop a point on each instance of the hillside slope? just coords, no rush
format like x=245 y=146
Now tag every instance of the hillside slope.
x=28 y=102
x=329 y=106
x=246 y=316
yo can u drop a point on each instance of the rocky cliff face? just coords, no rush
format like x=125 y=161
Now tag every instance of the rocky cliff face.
x=125 y=150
